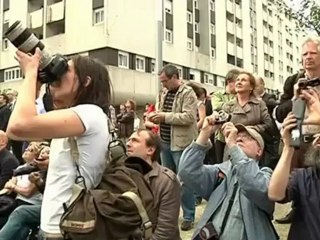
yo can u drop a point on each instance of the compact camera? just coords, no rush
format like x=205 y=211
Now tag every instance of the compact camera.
x=223 y=117
x=52 y=67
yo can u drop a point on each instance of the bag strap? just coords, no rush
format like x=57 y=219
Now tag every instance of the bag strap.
x=75 y=157
x=231 y=201
x=146 y=223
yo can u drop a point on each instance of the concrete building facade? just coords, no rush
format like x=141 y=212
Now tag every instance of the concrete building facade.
x=203 y=38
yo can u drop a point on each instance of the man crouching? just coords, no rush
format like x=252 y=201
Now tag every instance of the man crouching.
x=237 y=190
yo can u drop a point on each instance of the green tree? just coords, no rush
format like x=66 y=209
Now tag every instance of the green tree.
x=305 y=12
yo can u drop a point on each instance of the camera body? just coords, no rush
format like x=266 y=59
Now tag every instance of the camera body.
x=29 y=168
x=305 y=83
x=51 y=67
x=223 y=117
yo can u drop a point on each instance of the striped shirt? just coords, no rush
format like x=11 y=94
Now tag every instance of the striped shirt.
x=165 y=129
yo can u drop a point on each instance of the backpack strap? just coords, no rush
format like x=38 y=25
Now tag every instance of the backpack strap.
x=75 y=157
x=146 y=223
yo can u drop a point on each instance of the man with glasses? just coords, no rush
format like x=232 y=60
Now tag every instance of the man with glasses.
x=176 y=117
x=236 y=190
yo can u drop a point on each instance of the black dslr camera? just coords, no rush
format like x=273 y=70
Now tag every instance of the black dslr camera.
x=298 y=109
x=29 y=168
x=51 y=67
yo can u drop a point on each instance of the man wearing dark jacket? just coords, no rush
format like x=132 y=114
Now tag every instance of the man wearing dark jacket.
x=8 y=162
x=5 y=112
x=285 y=105
x=272 y=135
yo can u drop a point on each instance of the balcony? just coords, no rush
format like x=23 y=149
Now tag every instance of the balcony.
x=239 y=31
x=35 y=19
x=238 y=11
x=229 y=6
x=230 y=27
x=239 y=52
x=55 y=12
x=231 y=48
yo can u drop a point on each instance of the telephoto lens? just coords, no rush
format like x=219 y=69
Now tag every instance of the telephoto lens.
x=51 y=68
x=27 y=42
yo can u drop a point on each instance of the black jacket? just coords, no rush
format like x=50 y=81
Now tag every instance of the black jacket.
x=5 y=113
x=285 y=105
x=8 y=163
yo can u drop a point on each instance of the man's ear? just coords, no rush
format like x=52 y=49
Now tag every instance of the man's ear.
x=260 y=152
x=151 y=151
x=88 y=81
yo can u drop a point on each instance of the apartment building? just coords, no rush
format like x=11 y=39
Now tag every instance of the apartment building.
x=203 y=38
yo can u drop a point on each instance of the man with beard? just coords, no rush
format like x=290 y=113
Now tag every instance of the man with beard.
x=302 y=187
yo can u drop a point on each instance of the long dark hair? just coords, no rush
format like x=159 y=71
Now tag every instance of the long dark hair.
x=98 y=92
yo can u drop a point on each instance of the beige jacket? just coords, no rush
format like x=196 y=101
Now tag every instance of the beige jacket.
x=254 y=113
x=182 y=118
x=166 y=191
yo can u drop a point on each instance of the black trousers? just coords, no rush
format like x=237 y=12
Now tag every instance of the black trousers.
x=219 y=150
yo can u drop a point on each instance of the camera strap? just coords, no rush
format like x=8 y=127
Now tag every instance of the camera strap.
x=231 y=201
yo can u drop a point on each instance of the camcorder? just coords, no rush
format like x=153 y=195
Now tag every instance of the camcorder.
x=298 y=109
x=28 y=168
x=51 y=67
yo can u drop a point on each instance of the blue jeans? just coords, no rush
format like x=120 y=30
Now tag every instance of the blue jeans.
x=171 y=159
x=20 y=221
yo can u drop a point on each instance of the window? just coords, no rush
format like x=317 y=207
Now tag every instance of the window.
x=190 y=44
x=123 y=60
x=5 y=44
x=168 y=36
x=189 y=17
x=209 y=79
x=140 y=63
x=213 y=52
x=98 y=16
x=196 y=4
x=12 y=74
x=196 y=27
x=180 y=72
x=153 y=66
x=212 y=5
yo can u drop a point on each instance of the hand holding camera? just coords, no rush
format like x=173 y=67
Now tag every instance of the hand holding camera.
x=289 y=123
x=230 y=132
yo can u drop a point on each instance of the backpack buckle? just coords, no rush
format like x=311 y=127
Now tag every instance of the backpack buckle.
x=147 y=230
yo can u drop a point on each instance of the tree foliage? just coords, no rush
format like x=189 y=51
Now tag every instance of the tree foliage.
x=305 y=12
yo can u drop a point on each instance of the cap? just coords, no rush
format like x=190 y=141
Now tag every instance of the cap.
x=252 y=132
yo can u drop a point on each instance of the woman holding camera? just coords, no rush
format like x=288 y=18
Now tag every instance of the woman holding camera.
x=81 y=99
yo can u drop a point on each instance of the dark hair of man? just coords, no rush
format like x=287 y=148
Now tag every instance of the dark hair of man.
x=169 y=70
x=5 y=97
x=98 y=92
x=232 y=76
x=153 y=141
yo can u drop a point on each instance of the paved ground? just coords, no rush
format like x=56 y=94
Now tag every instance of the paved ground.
x=281 y=210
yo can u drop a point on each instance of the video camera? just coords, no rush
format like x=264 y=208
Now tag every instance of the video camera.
x=51 y=68
x=27 y=169
x=298 y=109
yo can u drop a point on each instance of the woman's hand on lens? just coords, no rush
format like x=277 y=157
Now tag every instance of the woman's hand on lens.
x=29 y=63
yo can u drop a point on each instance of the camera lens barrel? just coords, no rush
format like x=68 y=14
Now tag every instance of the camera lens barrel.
x=27 y=42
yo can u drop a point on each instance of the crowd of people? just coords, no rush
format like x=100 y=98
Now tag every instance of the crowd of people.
x=231 y=148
